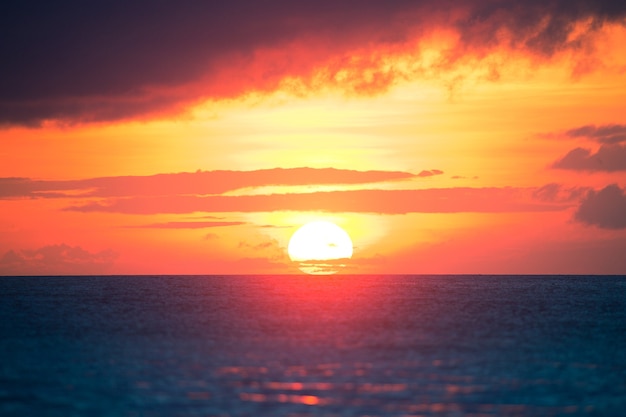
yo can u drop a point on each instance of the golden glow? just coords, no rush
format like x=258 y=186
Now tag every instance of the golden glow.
x=316 y=243
x=496 y=120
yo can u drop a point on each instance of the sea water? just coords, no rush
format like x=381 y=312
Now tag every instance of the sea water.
x=313 y=346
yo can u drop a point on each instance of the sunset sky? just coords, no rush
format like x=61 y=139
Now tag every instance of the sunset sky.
x=195 y=137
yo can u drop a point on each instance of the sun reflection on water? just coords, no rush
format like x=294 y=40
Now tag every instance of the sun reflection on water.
x=426 y=392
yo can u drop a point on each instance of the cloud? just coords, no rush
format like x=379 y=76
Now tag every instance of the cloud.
x=263 y=252
x=274 y=226
x=605 y=208
x=187 y=183
x=269 y=248
x=557 y=193
x=73 y=61
x=186 y=225
x=25 y=187
x=609 y=134
x=436 y=200
x=258 y=246
x=429 y=173
x=56 y=260
x=607 y=158
x=328 y=266
x=461 y=177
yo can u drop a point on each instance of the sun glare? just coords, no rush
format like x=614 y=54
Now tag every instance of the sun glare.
x=320 y=248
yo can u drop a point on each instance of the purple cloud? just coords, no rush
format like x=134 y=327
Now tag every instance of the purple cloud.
x=557 y=193
x=56 y=260
x=76 y=61
x=607 y=158
x=609 y=134
x=605 y=208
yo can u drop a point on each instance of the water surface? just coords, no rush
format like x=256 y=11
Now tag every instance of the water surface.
x=313 y=346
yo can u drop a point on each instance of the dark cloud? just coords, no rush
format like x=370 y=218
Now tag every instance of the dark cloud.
x=197 y=183
x=609 y=134
x=604 y=255
x=557 y=193
x=56 y=260
x=76 y=61
x=442 y=200
x=608 y=158
x=29 y=188
x=540 y=26
x=605 y=208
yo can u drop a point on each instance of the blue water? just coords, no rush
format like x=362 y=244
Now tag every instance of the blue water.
x=313 y=346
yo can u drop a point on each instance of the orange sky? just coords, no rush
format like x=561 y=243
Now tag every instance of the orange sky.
x=487 y=137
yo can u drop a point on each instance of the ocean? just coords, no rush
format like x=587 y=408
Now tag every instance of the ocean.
x=386 y=345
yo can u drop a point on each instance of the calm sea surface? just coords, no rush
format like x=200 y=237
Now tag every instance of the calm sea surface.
x=313 y=346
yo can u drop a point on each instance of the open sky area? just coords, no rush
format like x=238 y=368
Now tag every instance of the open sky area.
x=195 y=137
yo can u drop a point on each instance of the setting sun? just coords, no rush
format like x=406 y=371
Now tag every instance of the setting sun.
x=317 y=246
x=180 y=180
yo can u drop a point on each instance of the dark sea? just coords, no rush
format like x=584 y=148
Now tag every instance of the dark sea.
x=313 y=346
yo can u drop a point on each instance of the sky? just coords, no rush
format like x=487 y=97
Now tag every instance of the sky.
x=195 y=137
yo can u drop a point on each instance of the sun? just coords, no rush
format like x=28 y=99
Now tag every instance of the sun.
x=320 y=248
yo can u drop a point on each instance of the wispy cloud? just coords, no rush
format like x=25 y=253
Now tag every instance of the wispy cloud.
x=429 y=173
x=610 y=134
x=557 y=193
x=439 y=200
x=191 y=183
x=186 y=225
